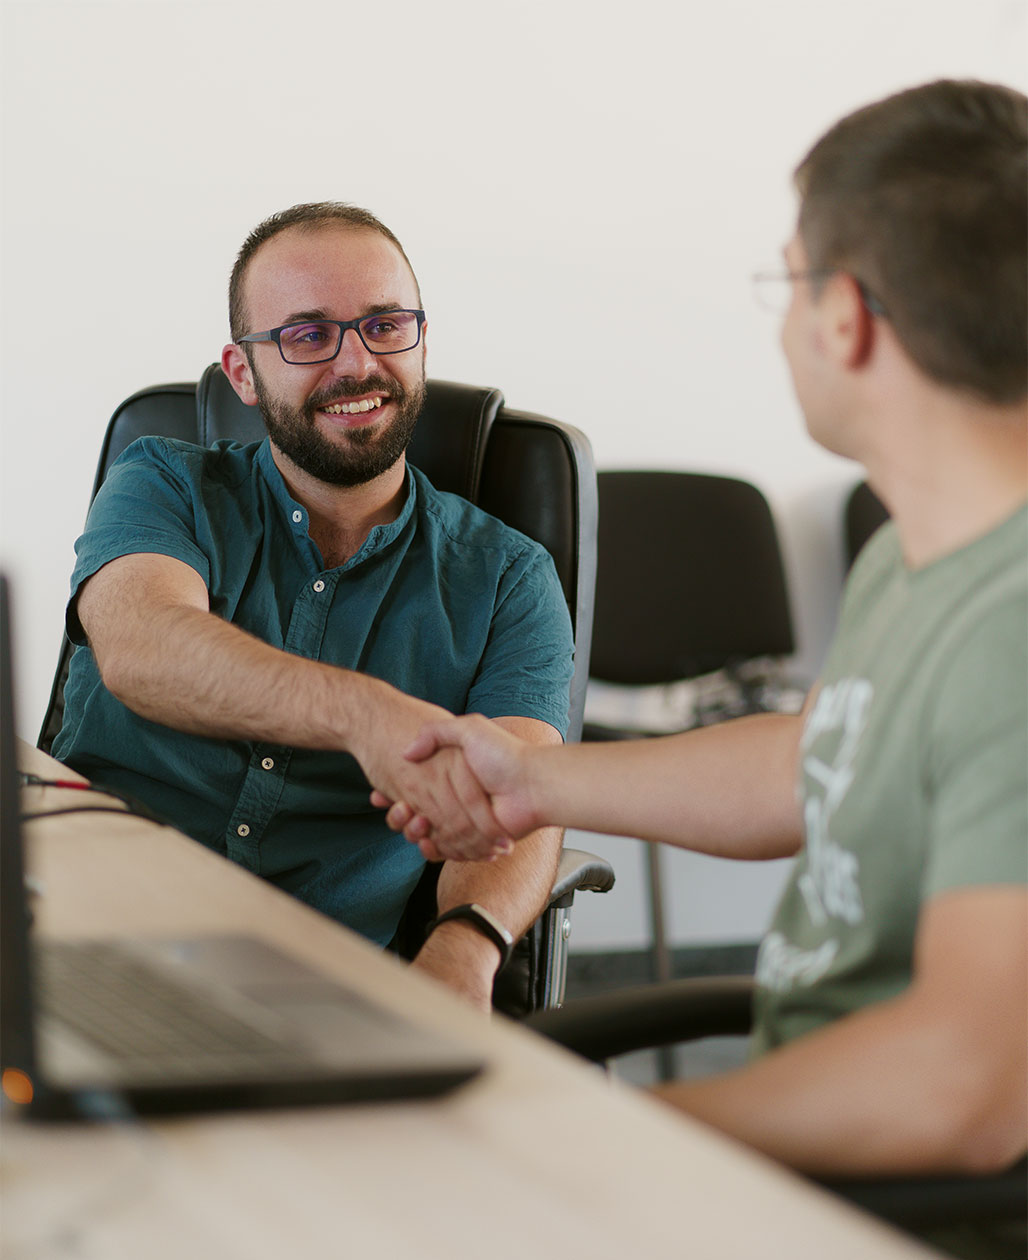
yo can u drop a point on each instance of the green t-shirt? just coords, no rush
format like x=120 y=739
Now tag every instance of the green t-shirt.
x=913 y=774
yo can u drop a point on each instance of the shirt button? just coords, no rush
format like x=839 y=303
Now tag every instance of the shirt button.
x=298 y=516
x=268 y=764
x=242 y=830
x=319 y=586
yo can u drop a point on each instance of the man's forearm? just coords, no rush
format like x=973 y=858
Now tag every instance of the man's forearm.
x=894 y=1089
x=514 y=888
x=727 y=790
x=167 y=657
x=207 y=677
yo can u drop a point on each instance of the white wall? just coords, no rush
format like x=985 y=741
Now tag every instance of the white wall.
x=603 y=177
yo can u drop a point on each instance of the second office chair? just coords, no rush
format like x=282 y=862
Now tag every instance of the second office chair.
x=690 y=583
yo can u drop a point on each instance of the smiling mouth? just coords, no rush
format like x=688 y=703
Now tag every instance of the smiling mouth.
x=353 y=408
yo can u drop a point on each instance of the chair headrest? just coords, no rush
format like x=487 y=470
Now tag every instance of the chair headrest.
x=221 y=413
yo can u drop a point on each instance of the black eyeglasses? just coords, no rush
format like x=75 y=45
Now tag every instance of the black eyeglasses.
x=319 y=340
x=767 y=285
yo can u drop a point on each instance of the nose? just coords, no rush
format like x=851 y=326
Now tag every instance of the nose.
x=354 y=358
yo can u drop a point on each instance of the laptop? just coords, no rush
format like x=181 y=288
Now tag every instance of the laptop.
x=95 y=1028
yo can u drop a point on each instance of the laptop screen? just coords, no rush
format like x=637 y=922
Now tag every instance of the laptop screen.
x=17 y=1041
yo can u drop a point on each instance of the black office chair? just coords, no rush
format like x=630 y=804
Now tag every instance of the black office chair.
x=862 y=515
x=533 y=473
x=689 y=579
x=602 y=1027
x=690 y=584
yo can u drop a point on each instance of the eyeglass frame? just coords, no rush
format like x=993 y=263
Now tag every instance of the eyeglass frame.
x=275 y=334
x=873 y=304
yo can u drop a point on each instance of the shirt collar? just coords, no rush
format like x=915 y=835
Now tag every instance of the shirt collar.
x=297 y=519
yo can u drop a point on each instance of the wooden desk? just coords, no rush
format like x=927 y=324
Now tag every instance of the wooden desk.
x=540 y=1154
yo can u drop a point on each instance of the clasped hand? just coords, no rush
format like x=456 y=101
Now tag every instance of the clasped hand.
x=484 y=806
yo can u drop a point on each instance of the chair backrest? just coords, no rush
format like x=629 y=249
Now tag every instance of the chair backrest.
x=864 y=513
x=689 y=577
x=534 y=473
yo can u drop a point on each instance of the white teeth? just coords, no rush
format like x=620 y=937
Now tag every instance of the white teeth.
x=354 y=408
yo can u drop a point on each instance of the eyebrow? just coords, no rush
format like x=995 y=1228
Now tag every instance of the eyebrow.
x=319 y=313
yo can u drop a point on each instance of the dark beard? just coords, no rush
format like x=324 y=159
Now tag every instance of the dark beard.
x=368 y=450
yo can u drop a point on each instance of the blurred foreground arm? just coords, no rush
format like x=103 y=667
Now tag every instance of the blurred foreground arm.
x=935 y=1080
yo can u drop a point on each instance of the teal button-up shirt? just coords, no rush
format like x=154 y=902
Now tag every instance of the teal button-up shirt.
x=446 y=603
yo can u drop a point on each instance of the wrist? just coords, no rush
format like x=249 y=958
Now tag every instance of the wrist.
x=468 y=926
x=543 y=784
x=357 y=708
x=465 y=962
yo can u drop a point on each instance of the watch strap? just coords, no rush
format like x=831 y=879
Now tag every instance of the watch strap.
x=484 y=922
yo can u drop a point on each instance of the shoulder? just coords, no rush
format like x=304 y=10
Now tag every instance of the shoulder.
x=978 y=668
x=988 y=585
x=982 y=654
x=465 y=527
x=163 y=458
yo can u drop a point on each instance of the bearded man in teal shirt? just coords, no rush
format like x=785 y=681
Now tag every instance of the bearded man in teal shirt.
x=262 y=628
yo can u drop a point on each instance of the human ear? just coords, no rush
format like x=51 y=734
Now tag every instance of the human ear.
x=236 y=367
x=848 y=326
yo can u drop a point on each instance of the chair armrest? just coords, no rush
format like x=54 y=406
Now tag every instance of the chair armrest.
x=580 y=871
x=600 y=733
x=938 y=1202
x=609 y=1024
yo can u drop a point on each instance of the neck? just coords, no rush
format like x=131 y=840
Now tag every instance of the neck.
x=341 y=517
x=949 y=468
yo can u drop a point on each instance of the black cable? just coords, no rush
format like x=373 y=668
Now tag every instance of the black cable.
x=89 y=809
x=133 y=805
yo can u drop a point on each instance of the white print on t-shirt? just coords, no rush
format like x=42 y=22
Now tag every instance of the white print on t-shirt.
x=781 y=965
x=831 y=883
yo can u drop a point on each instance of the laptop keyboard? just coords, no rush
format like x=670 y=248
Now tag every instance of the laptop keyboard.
x=133 y=1011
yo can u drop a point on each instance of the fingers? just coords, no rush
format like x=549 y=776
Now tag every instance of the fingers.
x=446 y=811
x=451 y=732
x=477 y=805
x=399 y=815
x=426 y=743
x=439 y=803
x=429 y=852
x=442 y=849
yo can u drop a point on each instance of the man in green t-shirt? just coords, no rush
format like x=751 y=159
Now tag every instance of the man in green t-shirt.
x=890 y=1021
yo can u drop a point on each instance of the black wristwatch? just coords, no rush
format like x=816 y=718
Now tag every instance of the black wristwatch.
x=482 y=921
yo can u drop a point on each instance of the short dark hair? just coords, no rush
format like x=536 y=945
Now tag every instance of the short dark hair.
x=923 y=197
x=311 y=216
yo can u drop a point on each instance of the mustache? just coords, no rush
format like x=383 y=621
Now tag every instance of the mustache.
x=354 y=389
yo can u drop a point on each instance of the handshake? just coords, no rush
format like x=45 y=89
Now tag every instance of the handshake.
x=464 y=792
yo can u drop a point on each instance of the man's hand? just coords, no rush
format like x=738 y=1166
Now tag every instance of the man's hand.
x=438 y=787
x=492 y=766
